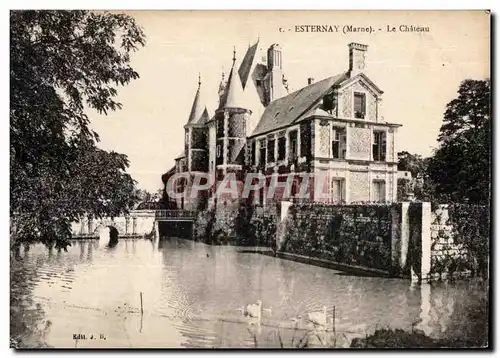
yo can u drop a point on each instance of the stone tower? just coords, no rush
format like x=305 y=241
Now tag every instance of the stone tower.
x=196 y=144
x=231 y=127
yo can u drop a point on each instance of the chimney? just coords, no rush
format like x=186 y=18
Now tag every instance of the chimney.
x=310 y=81
x=357 y=54
x=274 y=60
x=275 y=80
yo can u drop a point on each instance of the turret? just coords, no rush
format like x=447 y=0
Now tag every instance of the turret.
x=231 y=122
x=196 y=134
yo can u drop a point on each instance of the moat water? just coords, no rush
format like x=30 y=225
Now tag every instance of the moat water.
x=90 y=296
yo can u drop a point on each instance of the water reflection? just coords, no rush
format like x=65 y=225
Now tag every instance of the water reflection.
x=191 y=293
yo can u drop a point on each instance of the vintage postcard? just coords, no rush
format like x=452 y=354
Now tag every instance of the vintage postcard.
x=250 y=179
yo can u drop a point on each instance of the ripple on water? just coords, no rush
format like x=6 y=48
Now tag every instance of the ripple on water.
x=195 y=298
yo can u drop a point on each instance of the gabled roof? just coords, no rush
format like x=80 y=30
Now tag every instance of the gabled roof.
x=233 y=94
x=284 y=111
x=246 y=64
x=369 y=83
x=199 y=112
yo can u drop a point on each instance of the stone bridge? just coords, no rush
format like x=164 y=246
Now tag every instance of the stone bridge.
x=137 y=223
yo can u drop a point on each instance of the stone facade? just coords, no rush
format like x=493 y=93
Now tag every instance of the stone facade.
x=420 y=241
x=448 y=257
x=357 y=235
x=346 y=100
x=336 y=127
x=360 y=186
x=360 y=143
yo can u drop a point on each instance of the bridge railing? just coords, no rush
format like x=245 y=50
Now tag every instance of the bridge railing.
x=175 y=214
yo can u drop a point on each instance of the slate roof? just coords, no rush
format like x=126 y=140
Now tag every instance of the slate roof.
x=199 y=113
x=233 y=95
x=246 y=64
x=286 y=110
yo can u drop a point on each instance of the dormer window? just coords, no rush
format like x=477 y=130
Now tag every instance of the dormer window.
x=329 y=103
x=359 y=105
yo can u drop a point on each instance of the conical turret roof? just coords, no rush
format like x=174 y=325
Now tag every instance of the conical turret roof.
x=199 y=112
x=233 y=96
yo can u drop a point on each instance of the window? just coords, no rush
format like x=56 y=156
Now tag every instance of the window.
x=339 y=143
x=220 y=127
x=270 y=150
x=379 y=191
x=359 y=105
x=281 y=148
x=292 y=151
x=305 y=139
x=379 y=146
x=218 y=151
x=258 y=83
x=329 y=102
x=262 y=152
x=337 y=190
x=252 y=153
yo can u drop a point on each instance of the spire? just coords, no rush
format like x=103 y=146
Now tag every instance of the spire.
x=199 y=111
x=222 y=88
x=233 y=95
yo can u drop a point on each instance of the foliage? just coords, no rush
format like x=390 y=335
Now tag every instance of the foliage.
x=460 y=168
x=144 y=196
x=471 y=224
x=414 y=163
x=263 y=229
x=420 y=184
x=460 y=240
x=62 y=64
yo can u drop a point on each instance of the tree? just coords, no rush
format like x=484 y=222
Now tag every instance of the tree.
x=414 y=163
x=143 y=195
x=420 y=184
x=460 y=168
x=64 y=63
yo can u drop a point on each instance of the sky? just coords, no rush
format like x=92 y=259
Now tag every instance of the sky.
x=418 y=72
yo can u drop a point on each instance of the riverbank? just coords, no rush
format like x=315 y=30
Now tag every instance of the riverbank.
x=351 y=269
x=398 y=338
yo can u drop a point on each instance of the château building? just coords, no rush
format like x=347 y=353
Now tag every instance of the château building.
x=331 y=127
